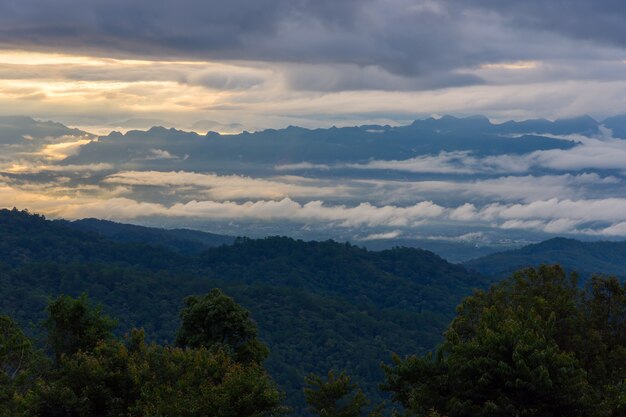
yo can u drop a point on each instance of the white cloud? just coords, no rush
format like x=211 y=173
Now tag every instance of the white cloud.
x=465 y=237
x=364 y=214
x=466 y=212
x=301 y=166
x=530 y=187
x=231 y=187
x=382 y=236
x=458 y=162
x=73 y=203
x=159 y=154
x=28 y=167
x=557 y=216
x=523 y=224
x=64 y=147
x=602 y=152
x=607 y=209
x=507 y=188
x=616 y=230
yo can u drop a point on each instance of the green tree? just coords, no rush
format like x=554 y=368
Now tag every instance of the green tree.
x=75 y=325
x=217 y=322
x=605 y=303
x=20 y=364
x=536 y=344
x=103 y=376
x=336 y=396
x=94 y=383
x=198 y=383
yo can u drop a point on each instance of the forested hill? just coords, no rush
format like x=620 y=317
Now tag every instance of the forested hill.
x=180 y=240
x=29 y=238
x=318 y=305
x=586 y=258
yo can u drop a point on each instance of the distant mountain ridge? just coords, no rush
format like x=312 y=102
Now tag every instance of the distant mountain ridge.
x=161 y=148
x=586 y=258
x=19 y=129
x=270 y=147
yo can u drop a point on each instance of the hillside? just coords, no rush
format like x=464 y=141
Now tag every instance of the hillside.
x=26 y=239
x=180 y=240
x=586 y=258
x=319 y=305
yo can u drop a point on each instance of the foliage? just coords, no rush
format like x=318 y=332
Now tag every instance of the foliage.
x=336 y=396
x=20 y=364
x=178 y=240
x=73 y=325
x=216 y=322
x=204 y=384
x=129 y=378
x=533 y=345
x=313 y=302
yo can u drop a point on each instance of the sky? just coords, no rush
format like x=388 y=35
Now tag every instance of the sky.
x=107 y=68
x=241 y=64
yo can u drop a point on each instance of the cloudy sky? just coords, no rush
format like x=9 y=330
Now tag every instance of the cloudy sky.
x=458 y=180
x=245 y=64
x=106 y=67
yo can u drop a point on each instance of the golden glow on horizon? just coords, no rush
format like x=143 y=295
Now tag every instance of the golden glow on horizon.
x=74 y=84
x=518 y=65
x=13 y=57
x=18 y=57
x=141 y=96
x=97 y=93
x=60 y=151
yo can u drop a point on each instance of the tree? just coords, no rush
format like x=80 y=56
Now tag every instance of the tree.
x=98 y=382
x=203 y=383
x=536 y=344
x=20 y=364
x=217 y=322
x=75 y=325
x=605 y=304
x=336 y=396
x=103 y=376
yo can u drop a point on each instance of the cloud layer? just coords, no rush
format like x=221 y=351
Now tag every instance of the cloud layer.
x=268 y=64
x=441 y=179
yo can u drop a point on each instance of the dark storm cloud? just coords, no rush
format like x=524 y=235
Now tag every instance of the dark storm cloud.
x=220 y=80
x=331 y=78
x=137 y=26
x=189 y=27
x=602 y=21
x=386 y=44
x=404 y=37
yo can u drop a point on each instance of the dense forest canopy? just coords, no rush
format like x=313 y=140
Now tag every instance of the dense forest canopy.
x=538 y=343
x=91 y=373
x=318 y=305
x=535 y=345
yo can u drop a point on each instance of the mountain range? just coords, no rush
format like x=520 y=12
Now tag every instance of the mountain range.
x=264 y=149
